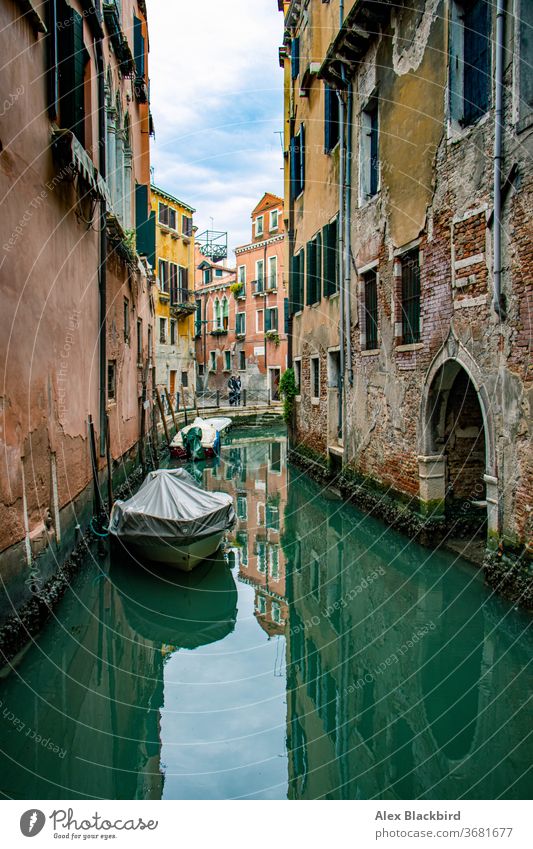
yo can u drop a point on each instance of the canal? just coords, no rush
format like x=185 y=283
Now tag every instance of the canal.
x=321 y=656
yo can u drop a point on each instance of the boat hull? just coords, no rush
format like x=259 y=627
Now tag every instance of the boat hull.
x=178 y=555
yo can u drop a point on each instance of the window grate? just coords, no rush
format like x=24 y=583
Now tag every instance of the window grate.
x=411 y=297
x=371 y=310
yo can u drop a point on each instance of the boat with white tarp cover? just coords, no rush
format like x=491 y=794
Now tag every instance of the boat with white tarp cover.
x=172 y=520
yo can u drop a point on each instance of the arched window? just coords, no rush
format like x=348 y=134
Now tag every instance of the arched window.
x=128 y=187
x=225 y=313
x=216 y=315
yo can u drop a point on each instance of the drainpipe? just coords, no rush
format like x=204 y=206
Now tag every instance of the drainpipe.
x=348 y=232
x=342 y=169
x=102 y=270
x=498 y=132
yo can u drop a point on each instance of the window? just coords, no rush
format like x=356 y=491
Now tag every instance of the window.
x=126 y=320
x=298 y=374
x=259 y=321
x=260 y=275
x=275 y=457
x=150 y=351
x=111 y=380
x=72 y=60
x=470 y=73
x=314 y=267
x=186 y=224
x=227 y=360
x=163 y=275
x=217 y=315
x=524 y=62
x=272 y=516
x=296 y=282
x=184 y=379
x=276 y=610
x=370 y=286
x=369 y=151
x=207 y=275
x=242 y=360
x=213 y=360
x=201 y=369
x=242 y=507
x=241 y=277
x=334 y=368
x=139 y=47
x=172 y=331
x=198 y=318
x=162 y=330
x=219 y=272
x=183 y=284
x=271 y=319
x=331 y=119
x=315 y=377
x=225 y=313
x=259 y=225
x=163 y=214
x=295 y=58
x=139 y=340
x=173 y=282
x=410 y=264
x=331 y=265
x=171 y=218
x=261 y=602
x=240 y=323
x=297 y=162
x=261 y=557
x=274 y=223
x=272 y=282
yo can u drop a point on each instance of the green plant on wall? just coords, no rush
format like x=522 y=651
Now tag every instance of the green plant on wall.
x=272 y=336
x=236 y=289
x=288 y=391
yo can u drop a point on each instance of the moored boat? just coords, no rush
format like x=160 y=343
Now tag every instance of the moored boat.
x=201 y=439
x=172 y=520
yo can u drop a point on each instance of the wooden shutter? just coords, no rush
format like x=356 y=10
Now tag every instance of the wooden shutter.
x=302 y=159
x=138 y=46
x=145 y=225
x=318 y=268
x=476 y=45
x=173 y=283
x=53 y=61
x=286 y=313
x=295 y=58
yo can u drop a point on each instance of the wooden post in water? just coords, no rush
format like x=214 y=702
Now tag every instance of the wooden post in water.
x=94 y=465
x=171 y=409
x=162 y=411
x=184 y=402
x=195 y=399
x=108 y=458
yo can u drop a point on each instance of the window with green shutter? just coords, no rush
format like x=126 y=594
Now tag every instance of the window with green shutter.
x=331 y=265
x=138 y=46
x=314 y=269
x=296 y=283
x=73 y=58
x=331 y=119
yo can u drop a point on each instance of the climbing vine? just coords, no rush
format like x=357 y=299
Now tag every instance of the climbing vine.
x=288 y=391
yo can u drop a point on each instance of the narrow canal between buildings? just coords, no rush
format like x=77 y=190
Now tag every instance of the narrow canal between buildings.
x=324 y=656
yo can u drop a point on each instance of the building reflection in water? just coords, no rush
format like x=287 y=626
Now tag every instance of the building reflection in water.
x=254 y=472
x=405 y=679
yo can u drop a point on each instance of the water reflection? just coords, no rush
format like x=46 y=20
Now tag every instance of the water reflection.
x=406 y=680
x=322 y=656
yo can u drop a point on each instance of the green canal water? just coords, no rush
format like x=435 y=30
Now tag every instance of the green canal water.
x=321 y=656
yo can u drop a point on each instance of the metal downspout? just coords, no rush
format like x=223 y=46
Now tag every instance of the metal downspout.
x=498 y=132
x=348 y=234
x=342 y=168
x=102 y=270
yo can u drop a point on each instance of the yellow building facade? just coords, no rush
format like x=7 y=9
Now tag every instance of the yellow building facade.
x=174 y=307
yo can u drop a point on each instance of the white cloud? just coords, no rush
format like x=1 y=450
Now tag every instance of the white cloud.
x=217 y=100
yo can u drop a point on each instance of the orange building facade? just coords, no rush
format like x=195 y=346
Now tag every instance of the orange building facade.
x=241 y=318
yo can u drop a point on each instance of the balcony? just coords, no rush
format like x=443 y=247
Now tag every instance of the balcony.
x=182 y=303
x=258 y=287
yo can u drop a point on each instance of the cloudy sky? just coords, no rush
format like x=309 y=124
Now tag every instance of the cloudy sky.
x=217 y=101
